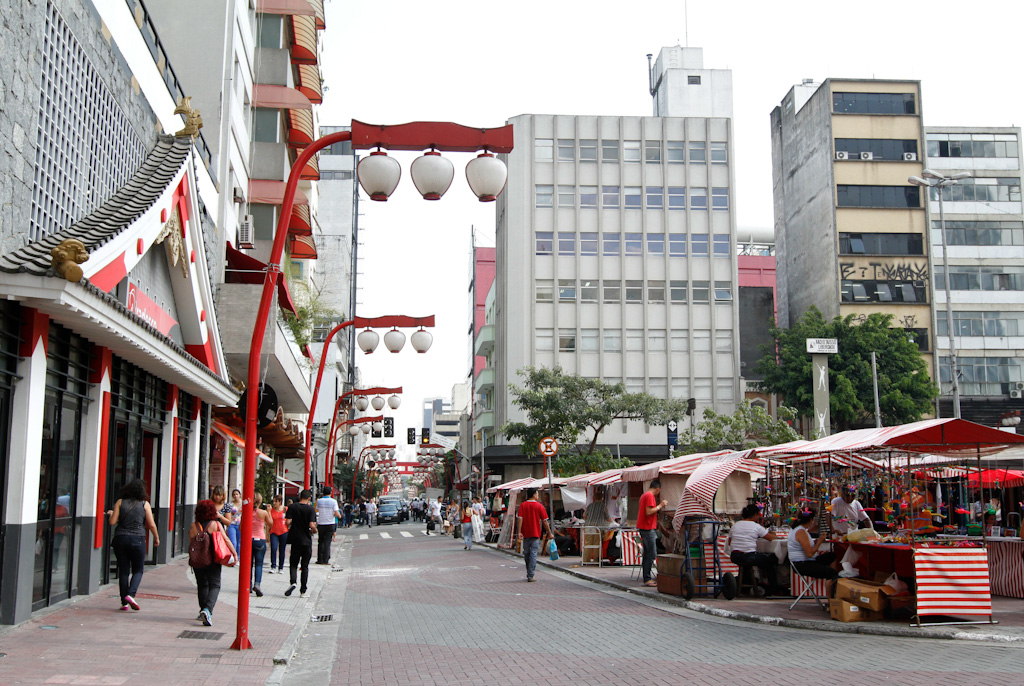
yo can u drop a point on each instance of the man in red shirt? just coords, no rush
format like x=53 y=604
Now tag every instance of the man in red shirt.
x=531 y=518
x=647 y=524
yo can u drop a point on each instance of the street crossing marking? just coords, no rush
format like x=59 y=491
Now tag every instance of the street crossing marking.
x=406 y=534
x=384 y=534
x=364 y=537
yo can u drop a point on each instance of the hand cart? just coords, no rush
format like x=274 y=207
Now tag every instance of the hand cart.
x=708 y=579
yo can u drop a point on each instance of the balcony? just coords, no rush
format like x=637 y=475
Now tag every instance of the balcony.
x=484 y=421
x=485 y=340
x=484 y=380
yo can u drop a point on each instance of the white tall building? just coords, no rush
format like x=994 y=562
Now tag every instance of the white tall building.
x=615 y=249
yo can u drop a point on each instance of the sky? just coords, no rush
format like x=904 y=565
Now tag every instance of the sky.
x=479 y=63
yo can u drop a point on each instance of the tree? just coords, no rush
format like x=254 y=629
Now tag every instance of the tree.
x=748 y=427
x=567 y=406
x=905 y=388
x=571 y=463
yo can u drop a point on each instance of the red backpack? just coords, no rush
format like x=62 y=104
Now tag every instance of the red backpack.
x=200 y=549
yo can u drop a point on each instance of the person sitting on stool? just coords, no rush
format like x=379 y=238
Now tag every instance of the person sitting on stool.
x=803 y=549
x=743 y=541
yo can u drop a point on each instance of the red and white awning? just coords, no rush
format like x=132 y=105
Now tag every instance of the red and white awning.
x=609 y=476
x=699 y=493
x=837 y=459
x=509 y=485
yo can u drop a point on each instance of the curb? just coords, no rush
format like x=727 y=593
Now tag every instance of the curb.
x=806 y=624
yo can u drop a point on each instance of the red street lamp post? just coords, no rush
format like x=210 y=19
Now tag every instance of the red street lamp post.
x=360 y=394
x=486 y=176
x=390 y=449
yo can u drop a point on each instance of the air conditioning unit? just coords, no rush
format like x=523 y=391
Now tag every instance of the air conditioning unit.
x=1016 y=394
x=245 y=233
x=867 y=155
x=842 y=155
x=1019 y=385
x=910 y=157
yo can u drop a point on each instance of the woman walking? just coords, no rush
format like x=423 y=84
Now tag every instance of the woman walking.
x=133 y=516
x=208 y=578
x=235 y=530
x=278 y=536
x=262 y=522
x=467 y=525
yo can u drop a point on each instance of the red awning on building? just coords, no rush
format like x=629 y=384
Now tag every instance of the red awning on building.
x=300 y=128
x=303 y=248
x=242 y=268
x=311 y=83
x=300 y=224
x=279 y=97
x=271 y=192
x=300 y=7
x=303 y=40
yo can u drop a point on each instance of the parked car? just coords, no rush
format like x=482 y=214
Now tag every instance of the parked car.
x=403 y=510
x=387 y=513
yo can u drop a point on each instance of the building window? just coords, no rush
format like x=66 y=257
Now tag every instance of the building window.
x=966 y=232
x=984 y=375
x=656 y=340
x=612 y=291
x=543 y=149
x=677 y=245
x=972 y=145
x=698 y=198
x=693 y=79
x=701 y=291
x=920 y=337
x=635 y=340
x=676 y=197
x=610 y=197
x=652 y=152
x=677 y=291
x=891 y=149
x=611 y=244
x=702 y=390
x=878 y=196
x=567 y=340
x=631 y=151
x=722 y=246
x=881 y=244
x=543 y=194
x=634 y=384
x=723 y=341
x=609 y=150
x=698 y=152
x=567 y=290
x=269 y=29
x=612 y=341
x=545 y=242
x=680 y=388
x=981 y=323
x=544 y=340
x=634 y=291
x=679 y=341
x=655 y=197
x=724 y=389
x=655 y=291
x=588 y=291
x=588 y=150
x=657 y=386
x=566 y=243
x=634 y=244
x=567 y=196
x=545 y=290
x=998 y=278
x=719 y=198
x=699 y=245
x=883 y=291
x=675 y=152
x=655 y=244
x=566 y=150
x=588 y=243
x=873 y=103
x=266 y=125
x=701 y=341
x=723 y=291
x=634 y=197
x=588 y=196
x=719 y=153
x=590 y=340
x=984 y=189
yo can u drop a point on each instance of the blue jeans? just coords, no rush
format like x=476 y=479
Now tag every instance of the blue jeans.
x=235 y=534
x=531 y=546
x=131 y=560
x=467 y=534
x=277 y=544
x=649 y=537
x=259 y=551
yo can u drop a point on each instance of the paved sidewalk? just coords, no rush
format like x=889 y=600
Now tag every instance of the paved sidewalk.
x=89 y=640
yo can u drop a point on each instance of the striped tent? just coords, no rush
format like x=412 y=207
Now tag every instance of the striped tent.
x=837 y=459
x=609 y=476
x=646 y=472
x=699 y=494
x=510 y=485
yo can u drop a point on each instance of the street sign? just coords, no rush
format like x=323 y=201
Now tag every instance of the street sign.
x=444 y=441
x=823 y=346
x=673 y=433
x=548 y=447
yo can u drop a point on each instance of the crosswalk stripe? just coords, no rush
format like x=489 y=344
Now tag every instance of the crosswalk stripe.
x=363 y=537
x=384 y=534
x=406 y=534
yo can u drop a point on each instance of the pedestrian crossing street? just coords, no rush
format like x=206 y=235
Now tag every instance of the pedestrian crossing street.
x=385 y=534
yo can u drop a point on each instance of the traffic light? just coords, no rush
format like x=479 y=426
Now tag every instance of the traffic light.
x=374 y=432
x=691 y=405
x=425 y=436
x=412 y=436
x=389 y=427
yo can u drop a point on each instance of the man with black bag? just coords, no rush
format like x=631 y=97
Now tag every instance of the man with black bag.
x=301 y=521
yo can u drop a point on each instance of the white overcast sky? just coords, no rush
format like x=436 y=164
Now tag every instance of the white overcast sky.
x=479 y=63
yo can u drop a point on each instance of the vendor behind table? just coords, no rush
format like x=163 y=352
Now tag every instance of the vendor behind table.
x=846 y=511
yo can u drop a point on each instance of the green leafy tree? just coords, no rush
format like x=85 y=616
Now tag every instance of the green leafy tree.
x=266 y=478
x=568 y=407
x=748 y=427
x=571 y=463
x=310 y=311
x=905 y=389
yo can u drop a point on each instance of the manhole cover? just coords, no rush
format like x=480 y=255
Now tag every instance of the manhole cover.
x=202 y=635
x=213 y=655
x=48 y=626
x=323 y=618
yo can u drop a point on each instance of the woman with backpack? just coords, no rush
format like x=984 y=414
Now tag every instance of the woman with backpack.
x=200 y=550
x=133 y=516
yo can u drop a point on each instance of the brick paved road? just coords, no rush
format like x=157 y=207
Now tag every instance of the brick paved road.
x=421 y=610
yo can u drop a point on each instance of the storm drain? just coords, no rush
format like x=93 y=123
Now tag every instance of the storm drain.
x=202 y=635
x=323 y=618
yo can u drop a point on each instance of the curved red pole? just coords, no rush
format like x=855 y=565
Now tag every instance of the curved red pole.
x=316 y=388
x=255 y=348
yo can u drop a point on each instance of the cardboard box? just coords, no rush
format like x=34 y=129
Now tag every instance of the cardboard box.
x=848 y=612
x=866 y=594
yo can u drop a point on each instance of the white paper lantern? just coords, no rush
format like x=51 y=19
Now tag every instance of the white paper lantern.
x=486 y=175
x=432 y=175
x=394 y=340
x=368 y=340
x=394 y=401
x=378 y=402
x=379 y=175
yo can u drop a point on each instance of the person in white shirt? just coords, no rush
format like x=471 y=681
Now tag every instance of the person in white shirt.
x=435 y=513
x=327 y=512
x=846 y=512
x=371 y=512
x=743 y=542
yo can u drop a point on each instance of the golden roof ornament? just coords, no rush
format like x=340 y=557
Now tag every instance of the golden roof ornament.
x=66 y=257
x=193 y=121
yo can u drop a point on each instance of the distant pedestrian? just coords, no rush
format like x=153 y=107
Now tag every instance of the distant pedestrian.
x=208 y=578
x=133 y=516
x=235 y=530
x=301 y=521
x=278 y=536
x=371 y=512
x=362 y=511
x=226 y=512
x=531 y=519
x=467 y=525
x=348 y=514
x=326 y=520
x=262 y=524
x=647 y=524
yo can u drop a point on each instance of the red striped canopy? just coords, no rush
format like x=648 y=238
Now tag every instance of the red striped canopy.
x=699 y=493
x=509 y=485
x=1006 y=478
x=650 y=471
x=609 y=476
x=838 y=459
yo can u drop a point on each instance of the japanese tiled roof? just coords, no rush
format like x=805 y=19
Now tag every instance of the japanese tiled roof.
x=115 y=215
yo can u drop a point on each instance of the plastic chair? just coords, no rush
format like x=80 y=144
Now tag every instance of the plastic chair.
x=806 y=587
